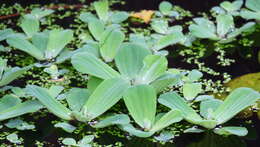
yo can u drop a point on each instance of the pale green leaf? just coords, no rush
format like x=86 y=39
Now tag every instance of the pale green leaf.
x=8 y=101
x=101 y=8
x=225 y=24
x=52 y=104
x=140 y=101
x=129 y=59
x=5 y=33
x=58 y=39
x=154 y=67
x=108 y=93
x=118 y=17
x=174 y=101
x=77 y=97
x=165 y=80
x=253 y=5
x=116 y=119
x=111 y=45
x=191 y=90
x=30 y=25
x=93 y=82
x=96 y=28
x=165 y=7
x=238 y=100
x=239 y=131
x=234 y=6
x=166 y=120
x=89 y=64
x=207 y=107
x=22 y=44
x=20 y=109
x=133 y=131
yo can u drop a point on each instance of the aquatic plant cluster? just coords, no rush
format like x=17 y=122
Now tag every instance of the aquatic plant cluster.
x=104 y=71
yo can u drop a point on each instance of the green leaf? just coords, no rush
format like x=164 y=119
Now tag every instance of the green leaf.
x=166 y=120
x=108 y=93
x=203 y=28
x=8 y=101
x=239 y=131
x=13 y=138
x=238 y=100
x=22 y=44
x=55 y=90
x=160 y=26
x=101 y=8
x=209 y=124
x=111 y=45
x=12 y=73
x=65 y=126
x=246 y=14
x=58 y=39
x=165 y=80
x=5 y=33
x=207 y=107
x=225 y=24
x=169 y=39
x=154 y=67
x=69 y=141
x=40 y=13
x=140 y=101
x=133 y=131
x=165 y=7
x=30 y=25
x=20 y=109
x=129 y=59
x=93 y=83
x=87 y=17
x=96 y=28
x=191 y=90
x=194 y=75
x=253 y=5
x=245 y=28
x=77 y=97
x=89 y=64
x=174 y=101
x=52 y=104
x=86 y=140
x=118 y=17
x=3 y=65
x=234 y=6
x=40 y=40
x=116 y=119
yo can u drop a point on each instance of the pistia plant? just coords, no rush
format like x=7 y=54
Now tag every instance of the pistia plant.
x=8 y=74
x=214 y=112
x=44 y=46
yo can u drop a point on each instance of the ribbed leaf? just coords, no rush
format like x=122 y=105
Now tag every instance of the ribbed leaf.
x=116 y=119
x=30 y=25
x=93 y=83
x=133 y=131
x=239 y=131
x=96 y=27
x=5 y=33
x=48 y=101
x=174 y=101
x=140 y=101
x=101 y=8
x=12 y=73
x=24 y=45
x=58 y=39
x=253 y=5
x=191 y=90
x=234 y=6
x=8 y=101
x=160 y=26
x=77 y=97
x=165 y=7
x=207 y=107
x=203 y=29
x=20 y=109
x=165 y=80
x=129 y=59
x=167 y=119
x=111 y=45
x=55 y=90
x=118 y=17
x=3 y=65
x=238 y=100
x=169 y=39
x=89 y=64
x=40 y=41
x=154 y=67
x=108 y=93
x=225 y=24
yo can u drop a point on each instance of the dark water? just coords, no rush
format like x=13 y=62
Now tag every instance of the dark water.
x=46 y=132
